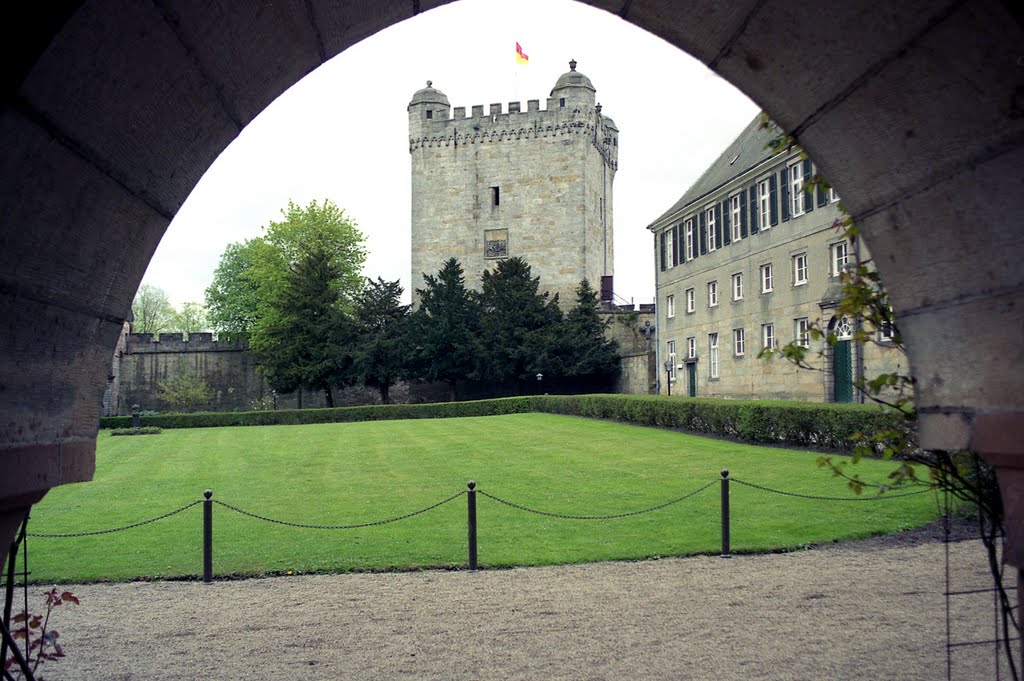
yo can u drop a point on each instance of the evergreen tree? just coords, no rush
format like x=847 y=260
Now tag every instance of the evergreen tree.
x=518 y=325
x=305 y=336
x=382 y=322
x=446 y=327
x=587 y=352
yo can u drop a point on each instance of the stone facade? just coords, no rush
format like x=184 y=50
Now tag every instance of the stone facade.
x=745 y=260
x=535 y=184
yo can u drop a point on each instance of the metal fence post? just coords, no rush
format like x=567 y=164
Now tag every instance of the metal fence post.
x=208 y=537
x=471 y=508
x=725 y=514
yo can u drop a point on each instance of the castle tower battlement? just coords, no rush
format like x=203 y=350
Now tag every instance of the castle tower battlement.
x=507 y=182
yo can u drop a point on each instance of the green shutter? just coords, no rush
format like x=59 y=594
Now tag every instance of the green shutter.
x=726 y=217
x=753 y=209
x=773 y=201
x=703 y=233
x=663 y=251
x=743 y=214
x=784 y=181
x=808 y=199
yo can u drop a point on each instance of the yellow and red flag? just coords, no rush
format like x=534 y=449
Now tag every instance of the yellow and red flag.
x=521 y=57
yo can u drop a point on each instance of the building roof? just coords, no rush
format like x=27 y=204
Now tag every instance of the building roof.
x=572 y=79
x=429 y=95
x=747 y=151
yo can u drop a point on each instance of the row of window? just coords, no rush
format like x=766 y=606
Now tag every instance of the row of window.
x=746 y=212
x=839 y=257
x=769 y=341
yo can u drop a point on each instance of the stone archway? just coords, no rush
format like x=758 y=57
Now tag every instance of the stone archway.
x=113 y=110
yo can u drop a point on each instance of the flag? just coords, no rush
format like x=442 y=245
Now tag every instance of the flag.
x=521 y=56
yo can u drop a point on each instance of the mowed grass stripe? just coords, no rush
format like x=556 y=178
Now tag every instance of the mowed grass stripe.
x=348 y=473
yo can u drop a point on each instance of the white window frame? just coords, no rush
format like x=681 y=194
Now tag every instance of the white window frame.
x=691 y=347
x=886 y=333
x=713 y=293
x=670 y=306
x=737 y=286
x=767 y=278
x=832 y=196
x=739 y=342
x=713 y=354
x=688 y=228
x=764 y=195
x=800 y=269
x=691 y=300
x=796 y=189
x=768 y=339
x=671 y=349
x=670 y=251
x=736 y=210
x=801 y=332
x=834 y=257
x=710 y=219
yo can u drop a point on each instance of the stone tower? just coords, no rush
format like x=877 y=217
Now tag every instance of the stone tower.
x=536 y=184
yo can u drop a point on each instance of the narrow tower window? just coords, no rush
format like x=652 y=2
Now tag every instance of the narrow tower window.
x=430 y=113
x=561 y=102
x=495 y=196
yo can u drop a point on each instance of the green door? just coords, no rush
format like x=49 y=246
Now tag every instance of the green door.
x=842 y=372
x=691 y=379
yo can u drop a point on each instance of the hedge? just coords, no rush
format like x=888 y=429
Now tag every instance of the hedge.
x=795 y=424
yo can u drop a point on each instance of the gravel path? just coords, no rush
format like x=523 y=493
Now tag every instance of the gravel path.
x=872 y=610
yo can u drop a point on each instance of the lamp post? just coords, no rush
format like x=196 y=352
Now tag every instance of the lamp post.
x=668 y=376
x=540 y=382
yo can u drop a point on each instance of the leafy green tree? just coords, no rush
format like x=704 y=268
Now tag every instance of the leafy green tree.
x=518 y=325
x=446 y=328
x=252 y=274
x=185 y=391
x=587 y=352
x=236 y=298
x=304 y=338
x=382 y=346
x=191 y=318
x=151 y=310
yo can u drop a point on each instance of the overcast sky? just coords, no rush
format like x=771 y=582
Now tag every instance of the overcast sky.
x=342 y=132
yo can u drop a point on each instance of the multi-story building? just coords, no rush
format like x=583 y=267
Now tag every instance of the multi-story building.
x=535 y=184
x=745 y=261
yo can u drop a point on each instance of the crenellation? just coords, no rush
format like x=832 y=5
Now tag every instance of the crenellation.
x=513 y=107
x=495 y=109
x=144 y=343
x=460 y=113
x=533 y=105
x=478 y=111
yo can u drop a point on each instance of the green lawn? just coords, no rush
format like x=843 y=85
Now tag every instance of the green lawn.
x=348 y=473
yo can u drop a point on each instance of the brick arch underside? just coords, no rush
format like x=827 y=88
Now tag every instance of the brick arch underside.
x=914 y=110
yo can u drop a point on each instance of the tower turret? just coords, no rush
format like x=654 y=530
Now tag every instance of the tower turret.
x=427 y=105
x=572 y=90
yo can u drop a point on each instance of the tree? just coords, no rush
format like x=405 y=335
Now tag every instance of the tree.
x=446 y=328
x=304 y=338
x=185 y=391
x=191 y=318
x=518 y=324
x=251 y=274
x=382 y=346
x=240 y=289
x=587 y=351
x=151 y=310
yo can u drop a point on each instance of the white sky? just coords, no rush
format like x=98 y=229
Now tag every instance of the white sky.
x=342 y=132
